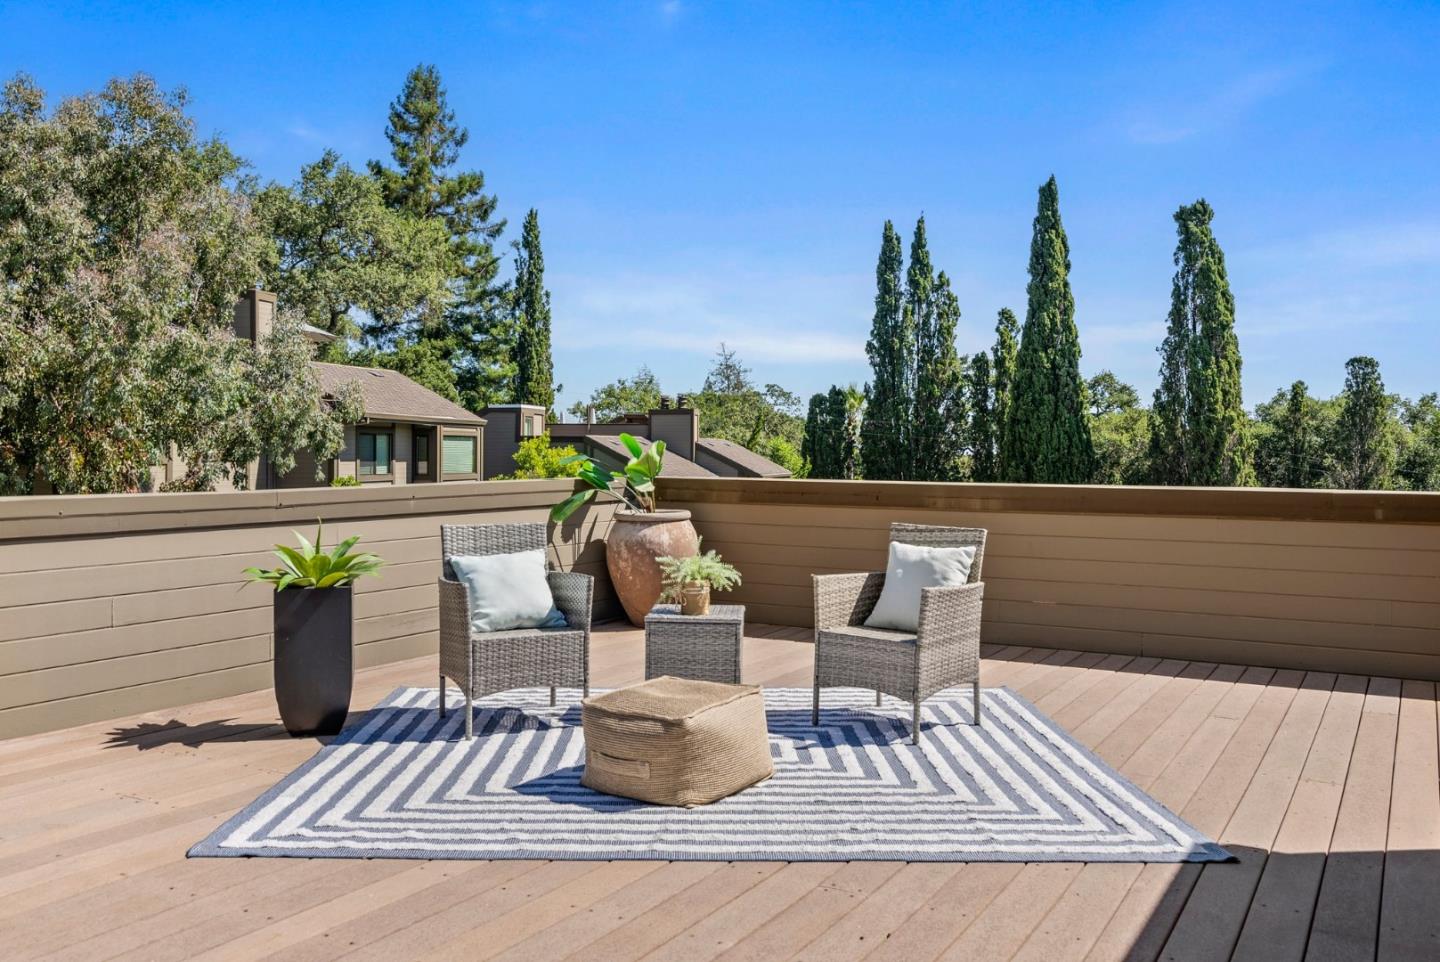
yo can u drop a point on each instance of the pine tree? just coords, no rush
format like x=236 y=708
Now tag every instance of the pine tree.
x=1363 y=441
x=425 y=144
x=938 y=407
x=530 y=303
x=847 y=405
x=979 y=389
x=1047 y=429
x=813 y=441
x=1007 y=346
x=886 y=430
x=1199 y=432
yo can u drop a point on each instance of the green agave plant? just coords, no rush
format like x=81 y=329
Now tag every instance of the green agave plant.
x=638 y=477
x=310 y=566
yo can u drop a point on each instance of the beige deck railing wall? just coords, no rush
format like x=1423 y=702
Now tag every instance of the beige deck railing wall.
x=117 y=604
x=1326 y=580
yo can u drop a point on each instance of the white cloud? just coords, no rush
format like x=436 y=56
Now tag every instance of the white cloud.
x=1186 y=116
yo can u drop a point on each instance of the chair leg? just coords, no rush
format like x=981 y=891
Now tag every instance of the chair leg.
x=976 y=686
x=815 y=708
x=915 y=726
x=877 y=698
x=552 y=696
x=469 y=718
x=442 y=695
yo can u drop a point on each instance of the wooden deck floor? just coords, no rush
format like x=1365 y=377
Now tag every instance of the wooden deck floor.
x=1325 y=786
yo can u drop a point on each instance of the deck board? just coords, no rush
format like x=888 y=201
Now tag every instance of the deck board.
x=1328 y=788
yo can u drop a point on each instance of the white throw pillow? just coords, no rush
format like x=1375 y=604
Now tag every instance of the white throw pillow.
x=912 y=567
x=508 y=591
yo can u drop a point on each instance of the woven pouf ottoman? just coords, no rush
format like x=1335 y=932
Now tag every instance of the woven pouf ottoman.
x=675 y=741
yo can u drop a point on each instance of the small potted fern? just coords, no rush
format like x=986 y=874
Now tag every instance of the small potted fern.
x=314 y=657
x=689 y=580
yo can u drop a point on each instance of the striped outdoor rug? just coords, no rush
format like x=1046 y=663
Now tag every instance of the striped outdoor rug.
x=403 y=784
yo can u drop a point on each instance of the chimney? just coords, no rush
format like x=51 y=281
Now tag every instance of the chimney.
x=590 y=414
x=665 y=402
x=255 y=315
x=678 y=427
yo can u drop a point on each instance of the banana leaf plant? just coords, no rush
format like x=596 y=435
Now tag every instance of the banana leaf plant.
x=311 y=566
x=635 y=485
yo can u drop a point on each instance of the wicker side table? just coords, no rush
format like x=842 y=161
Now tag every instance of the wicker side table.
x=704 y=647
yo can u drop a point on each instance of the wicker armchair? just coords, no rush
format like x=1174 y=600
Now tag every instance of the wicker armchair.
x=944 y=652
x=485 y=663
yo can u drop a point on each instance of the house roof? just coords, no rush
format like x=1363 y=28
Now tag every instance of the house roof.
x=745 y=460
x=390 y=395
x=674 y=466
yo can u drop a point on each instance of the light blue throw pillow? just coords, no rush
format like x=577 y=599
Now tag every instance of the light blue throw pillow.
x=508 y=591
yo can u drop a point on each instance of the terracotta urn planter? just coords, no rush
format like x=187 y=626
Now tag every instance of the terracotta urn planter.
x=636 y=539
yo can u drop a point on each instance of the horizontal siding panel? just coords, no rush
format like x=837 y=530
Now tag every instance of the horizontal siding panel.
x=52 y=651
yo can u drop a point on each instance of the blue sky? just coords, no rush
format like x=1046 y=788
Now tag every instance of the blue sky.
x=710 y=171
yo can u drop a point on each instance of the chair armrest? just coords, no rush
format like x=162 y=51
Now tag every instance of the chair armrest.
x=950 y=614
x=574 y=596
x=845 y=600
x=454 y=613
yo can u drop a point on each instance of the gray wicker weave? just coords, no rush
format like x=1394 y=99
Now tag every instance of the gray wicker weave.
x=483 y=664
x=943 y=653
x=705 y=647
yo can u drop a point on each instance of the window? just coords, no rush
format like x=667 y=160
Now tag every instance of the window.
x=457 y=455
x=372 y=452
x=530 y=426
x=422 y=454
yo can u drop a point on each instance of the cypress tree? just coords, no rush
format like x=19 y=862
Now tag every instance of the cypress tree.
x=981 y=436
x=831 y=439
x=938 y=408
x=813 y=440
x=1363 y=442
x=1007 y=346
x=1047 y=428
x=425 y=144
x=886 y=430
x=534 y=370
x=1291 y=451
x=1199 y=432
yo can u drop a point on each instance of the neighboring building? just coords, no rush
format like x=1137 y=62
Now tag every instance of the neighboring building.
x=686 y=453
x=409 y=435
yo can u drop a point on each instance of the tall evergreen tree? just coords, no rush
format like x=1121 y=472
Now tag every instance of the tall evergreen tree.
x=1199 y=432
x=425 y=144
x=1007 y=346
x=1290 y=452
x=530 y=304
x=1363 y=441
x=937 y=413
x=1047 y=429
x=980 y=392
x=831 y=435
x=886 y=430
x=848 y=403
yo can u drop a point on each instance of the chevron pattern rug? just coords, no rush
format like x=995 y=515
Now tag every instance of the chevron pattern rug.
x=401 y=783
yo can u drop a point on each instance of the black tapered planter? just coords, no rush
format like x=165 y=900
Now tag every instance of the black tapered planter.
x=314 y=659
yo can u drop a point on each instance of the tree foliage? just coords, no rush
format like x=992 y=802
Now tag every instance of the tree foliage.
x=885 y=433
x=620 y=397
x=1002 y=360
x=831 y=444
x=1046 y=437
x=124 y=241
x=1200 y=433
x=938 y=412
x=1363 y=441
x=733 y=407
x=536 y=458
x=980 y=437
x=341 y=256
x=1291 y=434
x=475 y=331
x=530 y=303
